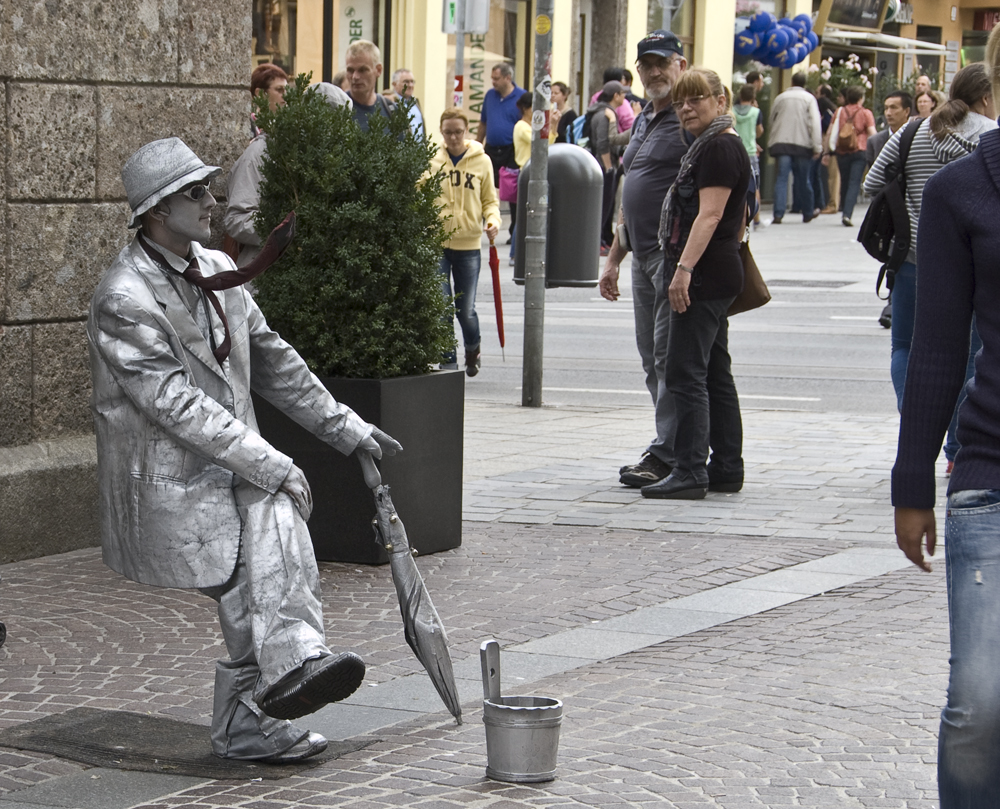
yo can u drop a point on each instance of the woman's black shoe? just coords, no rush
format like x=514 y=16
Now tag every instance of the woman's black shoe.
x=676 y=486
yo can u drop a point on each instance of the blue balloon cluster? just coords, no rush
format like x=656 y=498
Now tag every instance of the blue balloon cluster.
x=777 y=43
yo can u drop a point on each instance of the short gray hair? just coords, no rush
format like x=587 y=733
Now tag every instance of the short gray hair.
x=505 y=69
x=398 y=74
x=369 y=49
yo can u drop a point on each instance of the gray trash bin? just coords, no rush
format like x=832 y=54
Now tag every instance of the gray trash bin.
x=576 y=188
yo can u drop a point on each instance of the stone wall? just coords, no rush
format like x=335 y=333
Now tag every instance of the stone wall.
x=86 y=82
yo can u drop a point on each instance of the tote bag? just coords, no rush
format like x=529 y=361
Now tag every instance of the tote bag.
x=508 y=184
x=754 y=293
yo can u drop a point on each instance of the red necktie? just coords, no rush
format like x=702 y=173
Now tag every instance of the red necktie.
x=277 y=241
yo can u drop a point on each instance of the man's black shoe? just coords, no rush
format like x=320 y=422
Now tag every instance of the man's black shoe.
x=312 y=685
x=677 y=485
x=649 y=470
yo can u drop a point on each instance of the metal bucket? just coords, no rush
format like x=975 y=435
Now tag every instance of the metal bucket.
x=522 y=738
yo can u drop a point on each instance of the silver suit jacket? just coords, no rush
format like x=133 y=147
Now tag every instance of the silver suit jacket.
x=176 y=431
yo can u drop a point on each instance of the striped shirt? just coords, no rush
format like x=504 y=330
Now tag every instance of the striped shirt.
x=927 y=156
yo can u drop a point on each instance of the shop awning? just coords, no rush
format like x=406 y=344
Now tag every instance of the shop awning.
x=881 y=42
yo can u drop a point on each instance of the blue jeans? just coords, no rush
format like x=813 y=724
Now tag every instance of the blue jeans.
x=816 y=169
x=462 y=266
x=799 y=168
x=700 y=379
x=904 y=304
x=852 y=168
x=904 y=309
x=969 y=739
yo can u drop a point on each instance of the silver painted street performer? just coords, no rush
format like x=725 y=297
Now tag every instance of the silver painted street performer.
x=191 y=495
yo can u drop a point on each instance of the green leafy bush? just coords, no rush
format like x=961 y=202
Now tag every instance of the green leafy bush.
x=358 y=292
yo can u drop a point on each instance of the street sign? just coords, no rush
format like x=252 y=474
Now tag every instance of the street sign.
x=477 y=16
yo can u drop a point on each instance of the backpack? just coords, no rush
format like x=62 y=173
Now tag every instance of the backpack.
x=575 y=130
x=847 y=137
x=885 y=233
x=584 y=140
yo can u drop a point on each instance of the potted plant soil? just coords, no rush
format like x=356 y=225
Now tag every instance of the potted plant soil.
x=359 y=296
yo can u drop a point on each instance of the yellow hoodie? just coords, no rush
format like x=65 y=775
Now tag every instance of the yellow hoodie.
x=468 y=195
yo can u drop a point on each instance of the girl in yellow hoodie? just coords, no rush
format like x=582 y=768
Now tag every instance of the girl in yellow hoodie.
x=468 y=197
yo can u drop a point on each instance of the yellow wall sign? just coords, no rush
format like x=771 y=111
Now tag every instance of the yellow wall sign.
x=542 y=25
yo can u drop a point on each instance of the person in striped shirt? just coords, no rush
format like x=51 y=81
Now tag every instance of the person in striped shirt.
x=951 y=132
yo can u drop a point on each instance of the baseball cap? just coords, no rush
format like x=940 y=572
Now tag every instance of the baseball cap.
x=660 y=43
x=613 y=87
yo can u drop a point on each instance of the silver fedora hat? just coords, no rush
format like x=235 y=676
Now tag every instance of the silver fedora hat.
x=159 y=169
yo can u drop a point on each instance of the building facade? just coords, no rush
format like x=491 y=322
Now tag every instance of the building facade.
x=587 y=37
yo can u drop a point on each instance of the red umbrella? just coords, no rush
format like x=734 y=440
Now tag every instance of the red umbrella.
x=497 y=302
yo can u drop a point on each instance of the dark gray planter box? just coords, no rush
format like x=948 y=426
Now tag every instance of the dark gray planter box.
x=426 y=415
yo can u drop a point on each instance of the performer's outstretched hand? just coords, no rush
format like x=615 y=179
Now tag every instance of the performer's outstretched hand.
x=297 y=487
x=373 y=447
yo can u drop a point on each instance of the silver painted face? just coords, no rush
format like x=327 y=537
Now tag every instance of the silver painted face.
x=188 y=218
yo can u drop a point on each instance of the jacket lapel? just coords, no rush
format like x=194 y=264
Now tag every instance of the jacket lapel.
x=177 y=312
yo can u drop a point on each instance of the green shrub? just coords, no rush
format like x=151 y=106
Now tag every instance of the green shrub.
x=358 y=292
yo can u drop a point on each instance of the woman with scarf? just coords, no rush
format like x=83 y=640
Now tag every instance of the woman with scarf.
x=703 y=219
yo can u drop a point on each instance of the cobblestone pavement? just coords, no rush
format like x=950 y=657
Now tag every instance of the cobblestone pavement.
x=828 y=701
x=831 y=701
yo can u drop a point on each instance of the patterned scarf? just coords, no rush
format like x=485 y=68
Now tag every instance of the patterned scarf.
x=671 y=238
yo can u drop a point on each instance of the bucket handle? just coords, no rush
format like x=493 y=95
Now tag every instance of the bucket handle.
x=489 y=656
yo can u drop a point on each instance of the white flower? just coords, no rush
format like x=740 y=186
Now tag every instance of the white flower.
x=814 y=68
x=873 y=70
x=826 y=63
x=825 y=75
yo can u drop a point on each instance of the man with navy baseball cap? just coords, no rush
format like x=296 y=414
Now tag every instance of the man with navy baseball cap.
x=652 y=161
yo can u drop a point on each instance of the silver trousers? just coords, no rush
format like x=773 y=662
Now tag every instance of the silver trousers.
x=272 y=622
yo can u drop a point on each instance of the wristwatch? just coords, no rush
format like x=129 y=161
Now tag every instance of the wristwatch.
x=686 y=269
